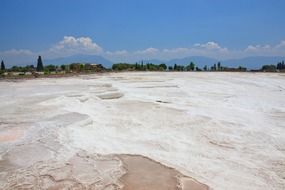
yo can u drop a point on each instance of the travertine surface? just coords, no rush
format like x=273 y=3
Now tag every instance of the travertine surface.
x=226 y=130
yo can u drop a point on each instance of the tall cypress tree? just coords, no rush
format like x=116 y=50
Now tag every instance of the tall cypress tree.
x=192 y=66
x=2 y=66
x=40 y=66
x=219 y=66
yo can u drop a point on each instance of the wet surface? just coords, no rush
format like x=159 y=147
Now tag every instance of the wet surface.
x=144 y=173
x=84 y=171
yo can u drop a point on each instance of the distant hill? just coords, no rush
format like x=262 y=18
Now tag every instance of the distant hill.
x=80 y=59
x=154 y=61
x=200 y=61
x=252 y=62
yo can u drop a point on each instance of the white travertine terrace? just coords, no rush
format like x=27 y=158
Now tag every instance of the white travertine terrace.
x=226 y=130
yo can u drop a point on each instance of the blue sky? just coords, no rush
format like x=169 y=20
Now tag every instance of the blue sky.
x=134 y=29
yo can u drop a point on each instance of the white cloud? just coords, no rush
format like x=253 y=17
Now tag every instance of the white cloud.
x=71 y=45
x=281 y=45
x=176 y=50
x=209 y=49
x=15 y=52
x=148 y=51
x=17 y=57
x=118 y=56
x=266 y=50
x=126 y=56
x=117 y=53
x=258 y=48
x=211 y=46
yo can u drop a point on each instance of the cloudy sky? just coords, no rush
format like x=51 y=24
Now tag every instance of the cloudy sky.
x=128 y=30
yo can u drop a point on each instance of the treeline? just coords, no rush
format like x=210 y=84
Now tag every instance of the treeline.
x=280 y=67
x=42 y=69
x=189 y=67
x=163 y=67
x=89 y=68
x=152 y=67
x=139 y=67
x=273 y=68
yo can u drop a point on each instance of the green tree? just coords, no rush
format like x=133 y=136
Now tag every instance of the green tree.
x=50 y=68
x=240 y=68
x=170 y=68
x=2 y=66
x=137 y=66
x=40 y=66
x=269 y=68
x=81 y=67
x=205 y=68
x=219 y=66
x=162 y=67
x=63 y=67
x=192 y=66
x=198 y=69
x=281 y=65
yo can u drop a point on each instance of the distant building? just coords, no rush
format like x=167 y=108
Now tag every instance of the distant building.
x=28 y=73
x=97 y=67
x=39 y=73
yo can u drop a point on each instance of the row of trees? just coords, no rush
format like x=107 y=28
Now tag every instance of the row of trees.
x=139 y=67
x=273 y=68
x=281 y=66
x=193 y=67
x=80 y=67
x=40 y=68
x=28 y=68
x=152 y=67
x=162 y=67
x=270 y=68
x=189 y=67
